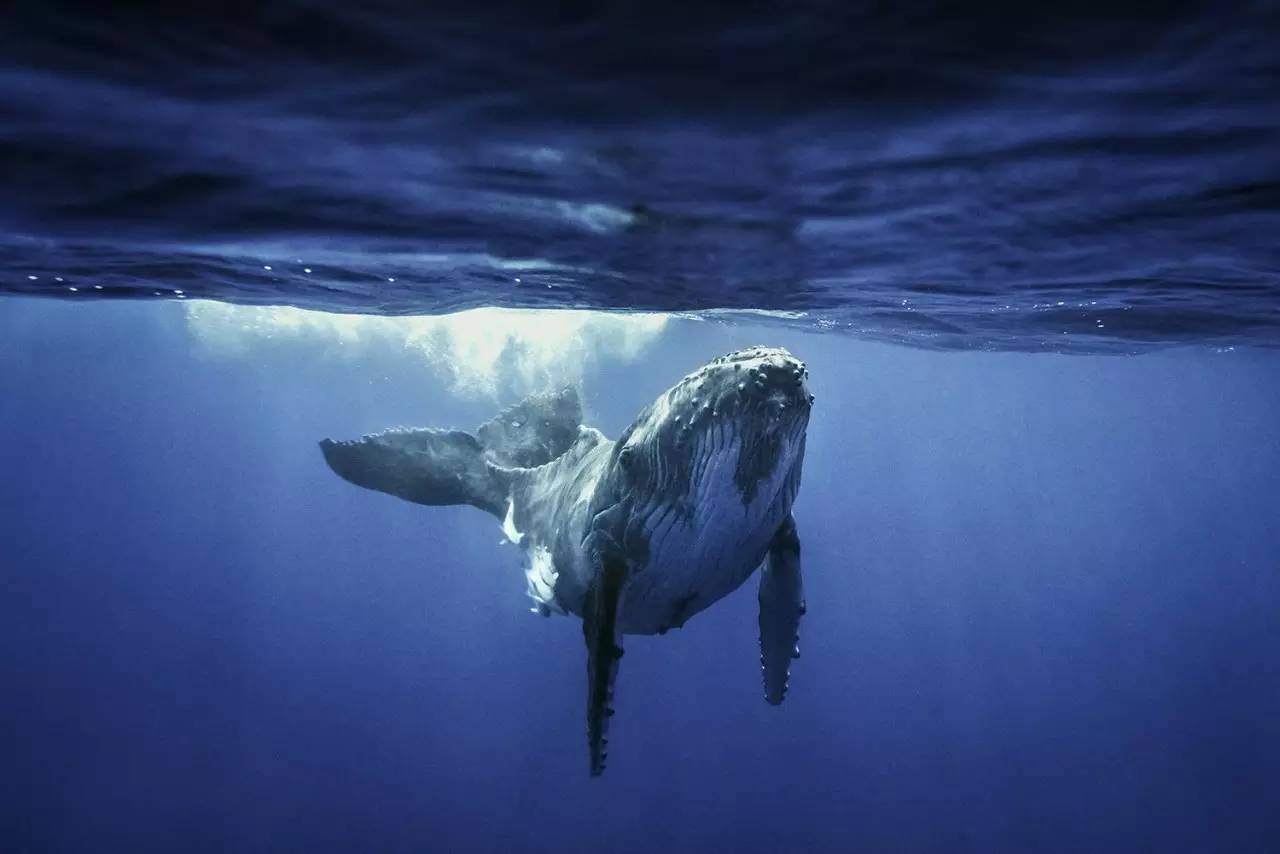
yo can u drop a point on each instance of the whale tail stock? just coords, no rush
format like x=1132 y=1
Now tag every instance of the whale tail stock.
x=437 y=467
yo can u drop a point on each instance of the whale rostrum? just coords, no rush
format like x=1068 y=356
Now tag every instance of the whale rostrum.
x=638 y=534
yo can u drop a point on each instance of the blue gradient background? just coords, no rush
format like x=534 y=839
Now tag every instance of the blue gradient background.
x=1043 y=597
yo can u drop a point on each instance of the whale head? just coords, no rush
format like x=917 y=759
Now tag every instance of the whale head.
x=731 y=432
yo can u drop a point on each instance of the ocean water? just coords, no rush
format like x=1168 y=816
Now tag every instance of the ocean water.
x=1042 y=602
x=1028 y=254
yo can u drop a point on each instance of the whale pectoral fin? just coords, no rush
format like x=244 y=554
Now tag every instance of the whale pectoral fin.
x=604 y=649
x=781 y=607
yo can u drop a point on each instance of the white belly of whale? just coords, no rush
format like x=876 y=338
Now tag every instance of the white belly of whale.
x=698 y=556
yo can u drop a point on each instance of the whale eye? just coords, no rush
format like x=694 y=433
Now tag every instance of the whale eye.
x=626 y=458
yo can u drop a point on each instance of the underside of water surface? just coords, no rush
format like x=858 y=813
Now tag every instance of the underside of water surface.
x=1093 y=179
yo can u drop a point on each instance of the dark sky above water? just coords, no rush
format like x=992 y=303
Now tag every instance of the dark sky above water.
x=1042 y=608
x=1090 y=177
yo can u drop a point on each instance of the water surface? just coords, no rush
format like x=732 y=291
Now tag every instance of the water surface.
x=1098 y=178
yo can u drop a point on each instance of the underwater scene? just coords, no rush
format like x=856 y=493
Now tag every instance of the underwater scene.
x=640 y=428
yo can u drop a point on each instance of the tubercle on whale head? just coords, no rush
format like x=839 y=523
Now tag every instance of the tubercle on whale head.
x=761 y=383
x=760 y=394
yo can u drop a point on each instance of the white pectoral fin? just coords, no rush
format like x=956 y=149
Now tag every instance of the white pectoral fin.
x=781 y=607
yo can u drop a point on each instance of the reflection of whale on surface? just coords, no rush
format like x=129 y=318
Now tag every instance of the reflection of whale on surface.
x=635 y=535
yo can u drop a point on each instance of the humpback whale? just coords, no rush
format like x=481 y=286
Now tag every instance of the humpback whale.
x=638 y=534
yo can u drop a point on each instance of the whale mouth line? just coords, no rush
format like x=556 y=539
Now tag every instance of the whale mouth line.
x=735 y=421
x=746 y=448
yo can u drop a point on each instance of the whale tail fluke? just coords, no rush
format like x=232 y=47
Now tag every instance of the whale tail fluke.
x=438 y=467
x=425 y=466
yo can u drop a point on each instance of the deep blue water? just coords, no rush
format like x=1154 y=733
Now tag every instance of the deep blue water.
x=1042 y=608
x=1093 y=177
